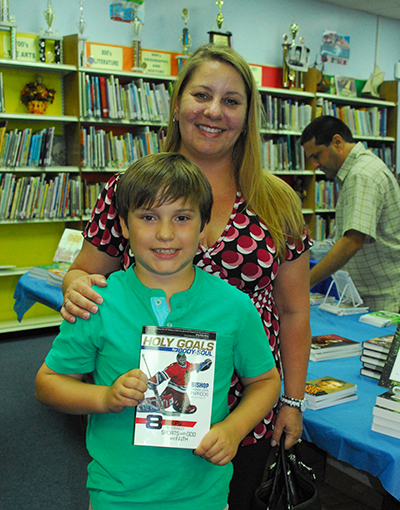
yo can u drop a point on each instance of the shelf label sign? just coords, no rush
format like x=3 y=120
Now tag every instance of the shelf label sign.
x=157 y=62
x=27 y=50
x=257 y=73
x=106 y=57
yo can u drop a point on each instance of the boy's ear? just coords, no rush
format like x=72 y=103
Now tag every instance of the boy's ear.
x=124 y=228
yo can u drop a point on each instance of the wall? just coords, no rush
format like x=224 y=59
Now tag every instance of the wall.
x=257 y=27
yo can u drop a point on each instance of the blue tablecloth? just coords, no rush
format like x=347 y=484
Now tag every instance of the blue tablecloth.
x=344 y=430
x=31 y=290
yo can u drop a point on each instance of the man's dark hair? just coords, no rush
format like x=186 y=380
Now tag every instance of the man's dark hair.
x=323 y=129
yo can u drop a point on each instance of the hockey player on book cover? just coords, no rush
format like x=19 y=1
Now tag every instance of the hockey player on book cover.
x=175 y=394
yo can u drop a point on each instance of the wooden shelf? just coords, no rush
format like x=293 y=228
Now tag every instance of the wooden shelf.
x=32 y=117
x=16 y=271
x=356 y=100
x=28 y=324
x=60 y=69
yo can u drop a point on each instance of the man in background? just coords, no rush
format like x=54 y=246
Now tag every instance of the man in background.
x=367 y=233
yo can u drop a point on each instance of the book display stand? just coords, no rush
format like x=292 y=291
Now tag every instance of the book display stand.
x=349 y=301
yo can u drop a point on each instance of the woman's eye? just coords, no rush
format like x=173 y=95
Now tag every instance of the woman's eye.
x=230 y=101
x=200 y=95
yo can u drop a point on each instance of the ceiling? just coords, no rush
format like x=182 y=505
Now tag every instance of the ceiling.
x=387 y=8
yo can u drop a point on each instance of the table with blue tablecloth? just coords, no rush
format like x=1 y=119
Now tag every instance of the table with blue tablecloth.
x=344 y=431
x=30 y=290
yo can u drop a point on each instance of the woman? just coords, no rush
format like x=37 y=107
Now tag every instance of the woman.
x=255 y=240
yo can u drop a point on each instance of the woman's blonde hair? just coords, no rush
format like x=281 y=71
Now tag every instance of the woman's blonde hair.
x=273 y=200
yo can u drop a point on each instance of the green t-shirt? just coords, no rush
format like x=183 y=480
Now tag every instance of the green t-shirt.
x=108 y=344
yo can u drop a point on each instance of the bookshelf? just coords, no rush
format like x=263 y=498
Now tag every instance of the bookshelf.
x=29 y=238
x=96 y=145
x=288 y=112
x=371 y=121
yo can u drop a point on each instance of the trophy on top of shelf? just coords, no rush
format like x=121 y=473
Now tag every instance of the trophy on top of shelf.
x=81 y=38
x=185 y=40
x=7 y=22
x=220 y=38
x=50 y=43
x=296 y=59
x=137 y=23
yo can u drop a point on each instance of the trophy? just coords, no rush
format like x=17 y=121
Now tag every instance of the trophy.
x=45 y=54
x=81 y=39
x=220 y=38
x=296 y=60
x=136 y=43
x=185 y=40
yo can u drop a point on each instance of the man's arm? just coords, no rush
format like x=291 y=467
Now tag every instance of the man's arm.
x=341 y=252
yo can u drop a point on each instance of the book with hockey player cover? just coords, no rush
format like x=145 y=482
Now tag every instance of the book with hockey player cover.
x=176 y=410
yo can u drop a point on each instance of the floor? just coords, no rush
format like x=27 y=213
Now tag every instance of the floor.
x=341 y=487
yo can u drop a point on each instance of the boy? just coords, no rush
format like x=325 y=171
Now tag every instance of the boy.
x=163 y=201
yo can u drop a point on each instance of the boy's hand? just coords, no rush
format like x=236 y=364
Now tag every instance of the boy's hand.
x=219 y=445
x=127 y=391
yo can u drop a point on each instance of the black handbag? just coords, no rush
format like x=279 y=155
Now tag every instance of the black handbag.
x=290 y=484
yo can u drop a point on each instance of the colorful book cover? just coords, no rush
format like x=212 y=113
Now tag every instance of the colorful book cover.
x=332 y=342
x=328 y=387
x=380 y=344
x=381 y=318
x=176 y=410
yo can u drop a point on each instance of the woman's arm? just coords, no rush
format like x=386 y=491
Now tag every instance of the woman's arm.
x=90 y=267
x=292 y=297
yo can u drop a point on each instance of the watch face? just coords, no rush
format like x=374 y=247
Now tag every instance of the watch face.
x=303 y=405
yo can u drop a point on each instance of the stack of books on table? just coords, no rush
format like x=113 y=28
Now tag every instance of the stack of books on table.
x=381 y=318
x=329 y=391
x=332 y=346
x=374 y=355
x=52 y=273
x=386 y=414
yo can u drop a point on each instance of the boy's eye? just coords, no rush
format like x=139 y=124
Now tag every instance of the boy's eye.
x=182 y=218
x=148 y=217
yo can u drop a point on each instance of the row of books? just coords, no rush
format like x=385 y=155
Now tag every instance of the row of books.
x=282 y=154
x=326 y=194
x=19 y=148
x=103 y=149
x=324 y=227
x=384 y=152
x=90 y=193
x=2 y=104
x=286 y=114
x=363 y=121
x=39 y=197
x=108 y=98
